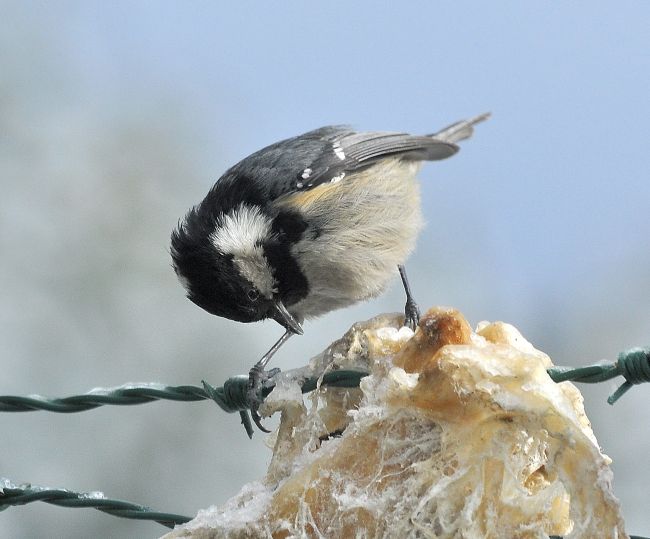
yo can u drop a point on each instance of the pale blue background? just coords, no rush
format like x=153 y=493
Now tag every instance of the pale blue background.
x=115 y=117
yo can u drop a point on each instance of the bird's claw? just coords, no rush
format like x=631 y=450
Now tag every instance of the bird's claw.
x=411 y=315
x=257 y=381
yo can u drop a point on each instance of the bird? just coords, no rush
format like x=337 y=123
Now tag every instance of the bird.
x=308 y=225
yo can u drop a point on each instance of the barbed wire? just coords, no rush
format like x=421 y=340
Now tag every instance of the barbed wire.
x=11 y=495
x=231 y=397
x=633 y=365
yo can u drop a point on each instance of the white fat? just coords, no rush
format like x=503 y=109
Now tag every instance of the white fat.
x=240 y=233
x=402 y=334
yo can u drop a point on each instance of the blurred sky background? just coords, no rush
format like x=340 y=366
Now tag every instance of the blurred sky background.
x=116 y=117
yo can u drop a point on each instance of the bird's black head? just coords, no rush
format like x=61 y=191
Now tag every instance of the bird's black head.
x=220 y=260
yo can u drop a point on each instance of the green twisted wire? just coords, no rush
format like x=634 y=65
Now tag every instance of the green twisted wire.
x=231 y=397
x=11 y=495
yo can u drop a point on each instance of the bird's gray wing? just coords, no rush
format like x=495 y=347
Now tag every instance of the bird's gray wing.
x=350 y=152
x=331 y=153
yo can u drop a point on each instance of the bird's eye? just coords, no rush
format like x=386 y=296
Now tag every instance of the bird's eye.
x=253 y=294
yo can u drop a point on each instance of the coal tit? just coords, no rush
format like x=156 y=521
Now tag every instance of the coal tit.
x=308 y=225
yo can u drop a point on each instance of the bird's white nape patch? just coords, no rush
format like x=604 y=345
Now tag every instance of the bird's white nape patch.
x=241 y=230
x=241 y=233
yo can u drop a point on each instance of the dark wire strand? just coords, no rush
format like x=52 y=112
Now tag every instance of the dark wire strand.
x=12 y=495
x=633 y=365
x=231 y=397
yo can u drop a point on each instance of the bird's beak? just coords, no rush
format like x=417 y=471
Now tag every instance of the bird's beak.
x=285 y=318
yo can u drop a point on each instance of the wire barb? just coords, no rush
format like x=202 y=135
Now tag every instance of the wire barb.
x=233 y=396
x=632 y=364
x=11 y=495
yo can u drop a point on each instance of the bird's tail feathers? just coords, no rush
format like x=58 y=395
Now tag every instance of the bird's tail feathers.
x=460 y=130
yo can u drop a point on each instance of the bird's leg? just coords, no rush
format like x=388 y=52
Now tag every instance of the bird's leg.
x=257 y=378
x=411 y=311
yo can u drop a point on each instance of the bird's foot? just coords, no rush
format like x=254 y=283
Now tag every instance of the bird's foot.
x=258 y=379
x=411 y=314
